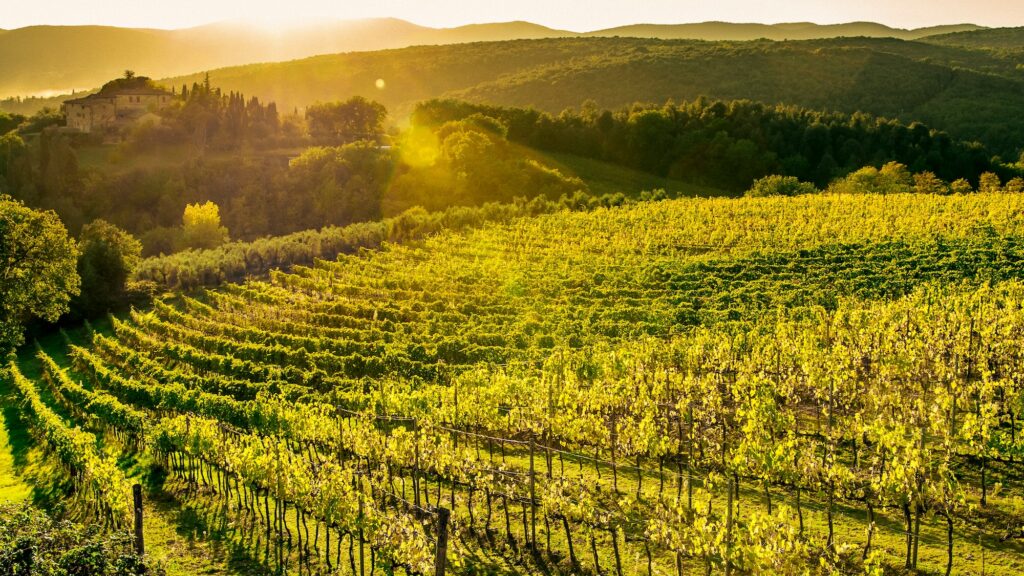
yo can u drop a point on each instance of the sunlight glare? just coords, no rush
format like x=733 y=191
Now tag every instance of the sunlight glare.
x=279 y=23
x=420 y=147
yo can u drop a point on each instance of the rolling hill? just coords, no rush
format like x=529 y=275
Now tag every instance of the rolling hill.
x=45 y=60
x=424 y=371
x=993 y=39
x=973 y=95
x=59 y=59
x=789 y=31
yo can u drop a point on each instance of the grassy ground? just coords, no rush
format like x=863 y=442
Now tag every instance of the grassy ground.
x=601 y=177
x=605 y=178
x=178 y=534
x=978 y=548
x=975 y=552
x=111 y=159
x=12 y=487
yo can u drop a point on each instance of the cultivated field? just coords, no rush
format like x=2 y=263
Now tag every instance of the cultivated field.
x=685 y=386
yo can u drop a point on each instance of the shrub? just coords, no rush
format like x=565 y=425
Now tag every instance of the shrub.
x=893 y=178
x=33 y=543
x=776 y=185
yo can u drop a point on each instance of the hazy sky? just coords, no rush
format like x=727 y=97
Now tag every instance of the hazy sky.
x=578 y=15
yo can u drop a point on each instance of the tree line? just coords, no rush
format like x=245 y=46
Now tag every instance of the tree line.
x=339 y=166
x=892 y=178
x=729 y=144
x=350 y=167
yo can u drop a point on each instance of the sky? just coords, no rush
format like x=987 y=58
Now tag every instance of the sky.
x=575 y=15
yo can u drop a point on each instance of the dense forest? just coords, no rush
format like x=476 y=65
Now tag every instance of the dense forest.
x=730 y=144
x=267 y=175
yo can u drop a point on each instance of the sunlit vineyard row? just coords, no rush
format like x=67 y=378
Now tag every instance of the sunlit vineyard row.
x=830 y=384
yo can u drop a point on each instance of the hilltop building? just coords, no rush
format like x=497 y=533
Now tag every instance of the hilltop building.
x=118 y=104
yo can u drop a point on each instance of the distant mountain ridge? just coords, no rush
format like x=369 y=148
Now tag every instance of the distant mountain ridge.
x=59 y=59
x=784 y=31
x=46 y=60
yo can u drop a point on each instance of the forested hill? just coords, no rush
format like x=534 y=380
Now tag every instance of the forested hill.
x=973 y=95
x=787 y=31
x=57 y=59
x=994 y=39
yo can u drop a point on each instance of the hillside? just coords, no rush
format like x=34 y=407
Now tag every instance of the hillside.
x=973 y=95
x=584 y=390
x=994 y=39
x=787 y=31
x=57 y=59
x=44 y=60
x=305 y=296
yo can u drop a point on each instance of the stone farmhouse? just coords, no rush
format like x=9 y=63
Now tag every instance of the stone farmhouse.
x=115 y=108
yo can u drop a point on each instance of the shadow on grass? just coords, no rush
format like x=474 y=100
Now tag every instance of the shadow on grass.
x=202 y=530
x=50 y=486
x=47 y=484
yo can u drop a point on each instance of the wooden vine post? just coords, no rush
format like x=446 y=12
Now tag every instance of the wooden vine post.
x=362 y=540
x=441 y=554
x=140 y=545
x=728 y=530
x=533 y=501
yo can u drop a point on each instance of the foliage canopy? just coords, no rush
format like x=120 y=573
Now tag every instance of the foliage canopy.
x=38 y=274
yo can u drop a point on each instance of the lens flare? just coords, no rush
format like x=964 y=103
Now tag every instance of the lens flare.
x=420 y=147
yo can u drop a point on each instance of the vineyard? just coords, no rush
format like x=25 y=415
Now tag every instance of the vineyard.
x=821 y=384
